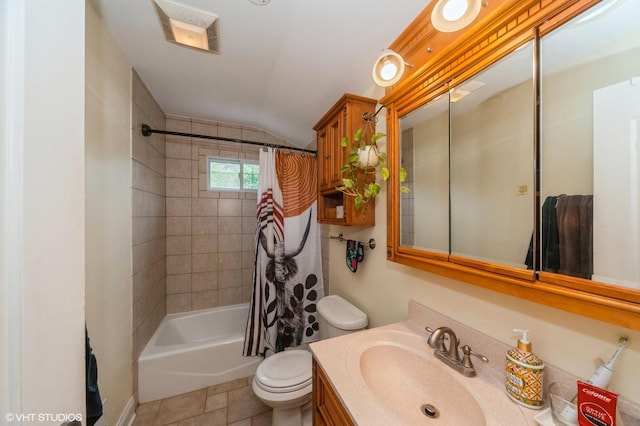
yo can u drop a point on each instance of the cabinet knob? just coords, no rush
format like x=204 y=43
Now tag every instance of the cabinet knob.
x=327 y=156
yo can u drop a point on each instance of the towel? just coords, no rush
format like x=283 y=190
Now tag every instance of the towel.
x=575 y=231
x=354 y=254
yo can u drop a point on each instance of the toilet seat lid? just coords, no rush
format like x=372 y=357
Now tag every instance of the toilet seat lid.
x=285 y=371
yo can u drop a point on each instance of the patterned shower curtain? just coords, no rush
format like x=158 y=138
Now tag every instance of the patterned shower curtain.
x=287 y=277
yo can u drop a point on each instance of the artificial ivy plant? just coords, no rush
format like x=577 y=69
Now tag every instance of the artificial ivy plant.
x=360 y=173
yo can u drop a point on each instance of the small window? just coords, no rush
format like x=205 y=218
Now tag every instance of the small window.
x=228 y=174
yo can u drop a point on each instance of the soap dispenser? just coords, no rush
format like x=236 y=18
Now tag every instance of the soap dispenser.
x=525 y=374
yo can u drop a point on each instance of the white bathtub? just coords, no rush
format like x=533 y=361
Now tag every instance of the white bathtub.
x=194 y=350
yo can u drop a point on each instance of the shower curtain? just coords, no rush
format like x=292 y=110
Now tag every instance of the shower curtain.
x=287 y=277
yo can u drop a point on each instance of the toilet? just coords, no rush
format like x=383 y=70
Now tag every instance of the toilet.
x=283 y=380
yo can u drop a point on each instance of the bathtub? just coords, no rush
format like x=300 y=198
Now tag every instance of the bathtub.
x=194 y=350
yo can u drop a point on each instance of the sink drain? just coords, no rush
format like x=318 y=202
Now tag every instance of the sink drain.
x=429 y=411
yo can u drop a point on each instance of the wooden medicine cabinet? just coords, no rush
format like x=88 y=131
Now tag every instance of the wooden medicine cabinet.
x=520 y=140
x=343 y=119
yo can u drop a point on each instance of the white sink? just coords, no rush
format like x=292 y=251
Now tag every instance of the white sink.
x=397 y=371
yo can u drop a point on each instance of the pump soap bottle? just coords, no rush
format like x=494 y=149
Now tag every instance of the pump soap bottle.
x=525 y=374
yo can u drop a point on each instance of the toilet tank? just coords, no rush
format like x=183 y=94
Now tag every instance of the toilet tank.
x=338 y=317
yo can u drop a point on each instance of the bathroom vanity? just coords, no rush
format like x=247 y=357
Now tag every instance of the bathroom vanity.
x=389 y=375
x=327 y=406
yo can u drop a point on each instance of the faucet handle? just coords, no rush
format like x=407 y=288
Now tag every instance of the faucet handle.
x=466 y=358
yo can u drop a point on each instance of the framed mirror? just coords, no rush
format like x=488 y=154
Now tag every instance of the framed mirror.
x=543 y=180
x=589 y=133
x=492 y=172
x=424 y=153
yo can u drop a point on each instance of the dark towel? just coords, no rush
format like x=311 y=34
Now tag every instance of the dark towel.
x=575 y=232
x=550 y=255
x=93 y=401
x=354 y=254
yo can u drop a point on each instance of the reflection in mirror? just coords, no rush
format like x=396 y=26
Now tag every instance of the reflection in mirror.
x=492 y=172
x=590 y=179
x=424 y=150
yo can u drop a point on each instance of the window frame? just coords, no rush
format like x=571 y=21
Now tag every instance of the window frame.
x=241 y=161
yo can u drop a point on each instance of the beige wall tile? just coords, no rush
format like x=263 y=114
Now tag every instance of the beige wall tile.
x=179 y=225
x=205 y=225
x=178 y=187
x=250 y=134
x=204 y=244
x=204 y=207
x=204 y=262
x=226 y=130
x=180 y=264
x=246 y=294
x=229 y=242
x=249 y=208
x=178 y=283
x=228 y=261
x=178 y=168
x=248 y=242
x=204 y=281
x=177 y=148
x=179 y=245
x=229 y=225
x=178 y=206
x=230 y=278
x=247 y=276
x=249 y=225
x=178 y=303
x=204 y=299
x=178 y=124
x=208 y=151
x=248 y=259
x=202 y=127
x=229 y=207
x=229 y=296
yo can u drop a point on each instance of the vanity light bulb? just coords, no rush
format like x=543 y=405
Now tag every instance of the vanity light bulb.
x=455 y=9
x=388 y=71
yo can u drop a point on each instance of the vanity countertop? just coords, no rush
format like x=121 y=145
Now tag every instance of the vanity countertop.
x=336 y=358
x=340 y=359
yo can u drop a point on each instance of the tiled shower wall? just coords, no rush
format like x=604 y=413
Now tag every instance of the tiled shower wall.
x=210 y=234
x=148 y=221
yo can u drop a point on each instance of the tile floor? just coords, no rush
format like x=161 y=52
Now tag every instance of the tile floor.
x=228 y=404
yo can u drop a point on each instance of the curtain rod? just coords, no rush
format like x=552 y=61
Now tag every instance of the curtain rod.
x=148 y=131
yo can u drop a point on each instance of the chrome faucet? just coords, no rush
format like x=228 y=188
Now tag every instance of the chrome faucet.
x=451 y=355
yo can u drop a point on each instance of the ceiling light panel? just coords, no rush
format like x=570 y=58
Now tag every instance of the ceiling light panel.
x=188 y=26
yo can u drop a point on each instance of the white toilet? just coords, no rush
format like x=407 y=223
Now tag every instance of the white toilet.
x=283 y=380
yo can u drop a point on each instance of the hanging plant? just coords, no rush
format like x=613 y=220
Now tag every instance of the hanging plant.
x=360 y=173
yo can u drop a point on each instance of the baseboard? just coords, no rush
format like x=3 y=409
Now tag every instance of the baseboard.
x=129 y=413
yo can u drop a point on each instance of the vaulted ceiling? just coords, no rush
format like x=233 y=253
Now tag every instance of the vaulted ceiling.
x=281 y=65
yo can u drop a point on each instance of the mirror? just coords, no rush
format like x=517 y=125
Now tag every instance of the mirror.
x=589 y=140
x=468 y=159
x=492 y=146
x=424 y=153
x=552 y=115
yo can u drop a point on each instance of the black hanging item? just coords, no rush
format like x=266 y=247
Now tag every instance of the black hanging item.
x=93 y=400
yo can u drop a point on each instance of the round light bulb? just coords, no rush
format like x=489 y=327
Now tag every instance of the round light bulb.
x=454 y=10
x=388 y=71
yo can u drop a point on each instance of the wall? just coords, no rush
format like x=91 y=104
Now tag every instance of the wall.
x=108 y=275
x=210 y=234
x=42 y=180
x=382 y=289
x=149 y=218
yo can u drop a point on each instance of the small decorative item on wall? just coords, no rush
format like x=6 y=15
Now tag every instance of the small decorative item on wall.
x=360 y=173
